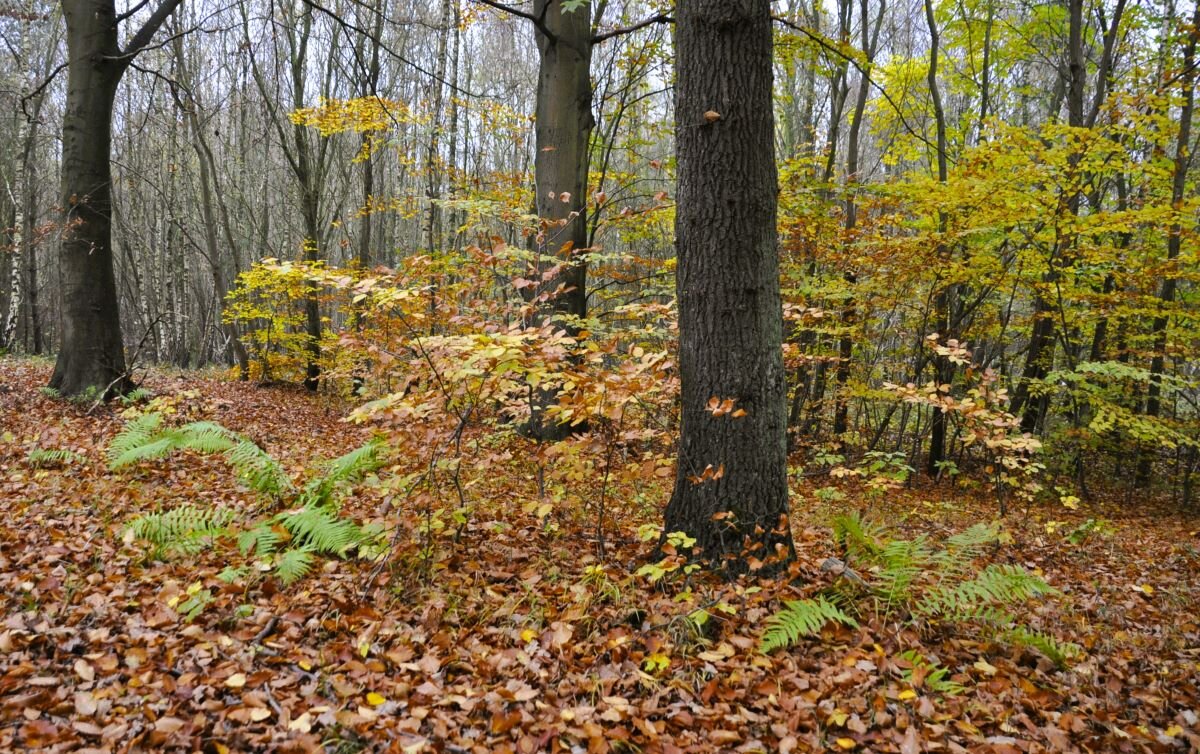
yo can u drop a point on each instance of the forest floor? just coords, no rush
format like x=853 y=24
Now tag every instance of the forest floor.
x=502 y=635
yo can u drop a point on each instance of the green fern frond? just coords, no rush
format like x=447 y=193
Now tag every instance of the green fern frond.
x=136 y=396
x=261 y=540
x=901 y=563
x=936 y=678
x=47 y=457
x=293 y=565
x=861 y=539
x=800 y=618
x=258 y=469
x=184 y=530
x=204 y=437
x=127 y=446
x=1059 y=652
x=995 y=585
x=961 y=549
x=322 y=530
x=347 y=468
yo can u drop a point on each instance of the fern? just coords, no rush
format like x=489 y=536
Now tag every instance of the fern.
x=260 y=540
x=136 y=395
x=143 y=439
x=961 y=549
x=1058 y=652
x=315 y=528
x=54 y=457
x=993 y=586
x=258 y=469
x=293 y=565
x=901 y=563
x=936 y=677
x=323 y=531
x=942 y=586
x=184 y=530
x=129 y=446
x=800 y=618
x=203 y=437
x=860 y=539
x=347 y=468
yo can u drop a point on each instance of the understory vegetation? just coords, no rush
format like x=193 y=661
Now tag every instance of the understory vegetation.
x=495 y=620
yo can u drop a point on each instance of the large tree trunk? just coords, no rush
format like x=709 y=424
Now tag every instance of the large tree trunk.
x=91 y=353
x=562 y=133
x=730 y=311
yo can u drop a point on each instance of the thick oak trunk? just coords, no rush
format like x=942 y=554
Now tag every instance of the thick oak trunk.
x=91 y=353
x=730 y=313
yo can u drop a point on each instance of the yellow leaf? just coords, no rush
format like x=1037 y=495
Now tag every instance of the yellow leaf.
x=302 y=723
x=837 y=717
x=1174 y=731
x=258 y=714
x=656 y=662
x=985 y=667
x=236 y=681
x=375 y=700
x=907 y=694
x=528 y=635
x=1143 y=588
x=846 y=744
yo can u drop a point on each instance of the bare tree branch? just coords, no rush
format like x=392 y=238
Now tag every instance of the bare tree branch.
x=660 y=18
x=143 y=36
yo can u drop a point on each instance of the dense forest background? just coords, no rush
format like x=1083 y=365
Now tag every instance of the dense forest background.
x=978 y=195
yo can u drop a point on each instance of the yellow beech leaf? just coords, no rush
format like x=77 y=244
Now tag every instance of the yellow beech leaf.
x=846 y=744
x=375 y=700
x=1143 y=588
x=236 y=681
x=985 y=667
x=837 y=717
x=1174 y=731
x=528 y=635
x=907 y=694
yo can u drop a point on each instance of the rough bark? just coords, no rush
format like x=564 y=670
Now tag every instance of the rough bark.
x=562 y=133
x=91 y=353
x=730 y=311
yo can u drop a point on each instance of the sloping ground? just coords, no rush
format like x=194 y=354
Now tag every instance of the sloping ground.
x=497 y=633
